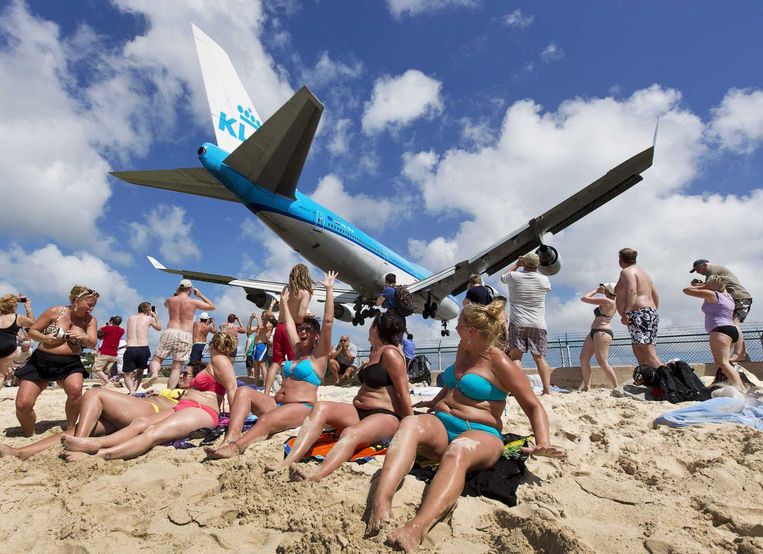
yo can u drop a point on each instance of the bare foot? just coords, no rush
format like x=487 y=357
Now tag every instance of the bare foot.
x=222 y=453
x=583 y=388
x=78 y=444
x=6 y=450
x=150 y=381
x=297 y=473
x=74 y=456
x=270 y=468
x=378 y=518
x=407 y=538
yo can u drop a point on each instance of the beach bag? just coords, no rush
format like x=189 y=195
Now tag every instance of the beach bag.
x=403 y=301
x=675 y=382
x=695 y=388
x=420 y=370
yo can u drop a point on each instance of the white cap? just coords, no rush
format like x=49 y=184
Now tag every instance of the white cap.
x=204 y=316
x=186 y=284
x=609 y=287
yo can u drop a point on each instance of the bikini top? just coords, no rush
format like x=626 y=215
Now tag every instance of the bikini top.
x=598 y=313
x=53 y=328
x=473 y=385
x=204 y=382
x=375 y=376
x=13 y=328
x=301 y=371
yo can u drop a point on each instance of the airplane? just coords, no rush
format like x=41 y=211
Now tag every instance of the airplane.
x=258 y=164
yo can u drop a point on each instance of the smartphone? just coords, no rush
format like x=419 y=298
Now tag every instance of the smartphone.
x=21 y=299
x=153 y=309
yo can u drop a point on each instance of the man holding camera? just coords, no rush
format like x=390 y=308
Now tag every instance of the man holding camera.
x=342 y=359
x=201 y=330
x=137 y=354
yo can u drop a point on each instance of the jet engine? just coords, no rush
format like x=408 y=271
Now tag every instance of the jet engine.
x=342 y=312
x=261 y=299
x=550 y=260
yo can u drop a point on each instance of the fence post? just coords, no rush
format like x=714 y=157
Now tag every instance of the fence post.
x=439 y=355
x=561 y=352
x=567 y=345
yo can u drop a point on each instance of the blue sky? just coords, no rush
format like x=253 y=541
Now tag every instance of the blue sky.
x=448 y=123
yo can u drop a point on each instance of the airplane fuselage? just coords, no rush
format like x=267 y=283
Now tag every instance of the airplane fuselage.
x=322 y=237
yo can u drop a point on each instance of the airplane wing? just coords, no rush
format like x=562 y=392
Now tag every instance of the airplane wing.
x=453 y=280
x=192 y=180
x=254 y=286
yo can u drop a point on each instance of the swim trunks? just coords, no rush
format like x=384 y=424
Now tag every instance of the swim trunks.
x=197 y=350
x=281 y=347
x=260 y=349
x=43 y=366
x=642 y=325
x=742 y=308
x=528 y=339
x=176 y=344
x=135 y=357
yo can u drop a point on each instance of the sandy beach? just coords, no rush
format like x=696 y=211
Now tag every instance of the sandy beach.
x=625 y=487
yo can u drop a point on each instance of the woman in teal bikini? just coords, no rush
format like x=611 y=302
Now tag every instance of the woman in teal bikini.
x=301 y=379
x=463 y=428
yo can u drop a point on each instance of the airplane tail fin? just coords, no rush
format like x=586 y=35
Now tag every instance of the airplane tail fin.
x=233 y=115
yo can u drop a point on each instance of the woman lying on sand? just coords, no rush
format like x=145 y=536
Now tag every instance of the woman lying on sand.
x=299 y=390
x=102 y=412
x=382 y=401
x=463 y=430
x=198 y=408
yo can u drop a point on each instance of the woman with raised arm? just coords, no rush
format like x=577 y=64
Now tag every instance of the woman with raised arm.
x=299 y=390
x=63 y=332
x=382 y=401
x=198 y=408
x=463 y=428
x=718 y=307
x=10 y=324
x=600 y=337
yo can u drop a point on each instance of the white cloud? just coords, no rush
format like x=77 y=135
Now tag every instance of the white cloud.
x=398 y=101
x=551 y=53
x=165 y=227
x=517 y=19
x=327 y=71
x=542 y=157
x=339 y=143
x=476 y=133
x=401 y=8
x=737 y=124
x=366 y=211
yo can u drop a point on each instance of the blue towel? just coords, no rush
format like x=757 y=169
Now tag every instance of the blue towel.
x=716 y=410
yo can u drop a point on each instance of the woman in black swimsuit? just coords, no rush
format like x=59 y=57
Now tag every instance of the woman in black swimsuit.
x=62 y=331
x=10 y=323
x=598 y=340
x=382 y=401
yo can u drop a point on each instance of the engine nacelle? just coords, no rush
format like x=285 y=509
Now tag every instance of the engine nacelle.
x=550 y=260
x=262 y=299
x=342 y=312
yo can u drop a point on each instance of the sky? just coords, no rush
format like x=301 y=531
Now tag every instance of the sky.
x=447 y=124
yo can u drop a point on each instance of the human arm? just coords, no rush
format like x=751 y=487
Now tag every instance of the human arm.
x=699 y=291
x=380 y=301
x=288 y=321
x=432 y=403
x=87 y=338
x=28 y=319
x=627 y=289
x=204 y=303
x=155 y=322
x=393 y=361
x=324 y=344
x=588 y=298
x=240 y=327
x=46 y=318
x=226 y=376
x=252 y=329
x=506 y=277
x=655 y=297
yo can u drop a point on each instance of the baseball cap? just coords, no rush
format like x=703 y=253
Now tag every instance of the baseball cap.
x=609 y=287
x=531 y=259
x=204 y=316
x=698 y=263
x=185 y=284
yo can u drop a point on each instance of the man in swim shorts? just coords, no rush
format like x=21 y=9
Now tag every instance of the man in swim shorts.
x=637 y=302
x=137 y=353
x=175 y=341
x=201 y=330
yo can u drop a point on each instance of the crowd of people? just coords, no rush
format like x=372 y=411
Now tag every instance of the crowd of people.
x=461 y=426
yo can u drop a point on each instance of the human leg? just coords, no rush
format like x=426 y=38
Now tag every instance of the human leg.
x=601 y=342
x=740 y=350
x=246 y=400
x=720 y=344
x=24 y=452
x=334 y=369
x=72 y=385
x=586 y=352
x=418 y=432
x=153 y=368
x=26 y=397
x=544 y=370
x=646 y=354
x=92 y=445
x=174 y=377
x=471 y=451
x=99 y=366
x=366 y=432
x=117 y=408
x=130 y=382
x=271 y=376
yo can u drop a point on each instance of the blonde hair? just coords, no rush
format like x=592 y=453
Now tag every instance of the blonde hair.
x=224 y=343
x=486 y=320
x=299 y=279
x=79 y=292
x=716 y=281
x=8 y=304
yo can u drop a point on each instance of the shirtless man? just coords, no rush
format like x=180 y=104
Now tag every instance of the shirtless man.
x=260 y=333
x=137 y=353
x=201 y=330
x=176 y=339
x=637 y=303
x=233 y=327
x=300 y=293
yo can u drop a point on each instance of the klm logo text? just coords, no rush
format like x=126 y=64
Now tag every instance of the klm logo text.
x=236 y=127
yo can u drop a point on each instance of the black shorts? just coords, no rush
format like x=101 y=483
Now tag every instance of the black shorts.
x=728 y=330
x=196 y=351
x=343 y=367
x=135 y=357
x=43 y=366
x=363 y=414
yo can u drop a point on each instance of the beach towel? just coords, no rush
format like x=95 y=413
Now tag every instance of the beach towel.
x=500 y=482
x=326 y=442
x=716 y=410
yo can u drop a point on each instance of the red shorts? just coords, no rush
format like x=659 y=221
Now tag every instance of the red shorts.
x=183 y=404
x=281 y=346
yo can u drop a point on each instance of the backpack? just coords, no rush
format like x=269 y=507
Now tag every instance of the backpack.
x=491 y=294
x=403 y=301
x=420 y=370
x=675 y=382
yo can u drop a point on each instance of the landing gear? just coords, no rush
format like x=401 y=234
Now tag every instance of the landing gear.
x=445 y=332
x=430 y=307
x=364 y=308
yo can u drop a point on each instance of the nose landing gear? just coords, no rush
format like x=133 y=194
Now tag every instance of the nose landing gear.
x=445 y=332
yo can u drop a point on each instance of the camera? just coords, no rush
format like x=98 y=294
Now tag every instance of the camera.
x=153 y=309
x=22 y=299
x=696 y=282
x=61 y=333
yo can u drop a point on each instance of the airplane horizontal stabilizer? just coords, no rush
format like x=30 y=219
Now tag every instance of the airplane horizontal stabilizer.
x=194 y=180
x=274 y=155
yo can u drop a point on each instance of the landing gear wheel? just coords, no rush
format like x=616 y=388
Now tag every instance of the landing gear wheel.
x=433 y=309
x=425 y=314
x=361 y=322
x=354 y=322
x=444 y=332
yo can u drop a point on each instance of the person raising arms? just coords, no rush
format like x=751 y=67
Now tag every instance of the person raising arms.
x=463 y=430
x=600 y=337
x=10 y=323
x=299 y=390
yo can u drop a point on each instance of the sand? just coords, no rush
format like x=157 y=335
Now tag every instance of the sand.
x=625 y=487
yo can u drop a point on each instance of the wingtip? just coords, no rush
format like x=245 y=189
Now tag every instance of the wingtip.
x=155 y=263
x=656 y=129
